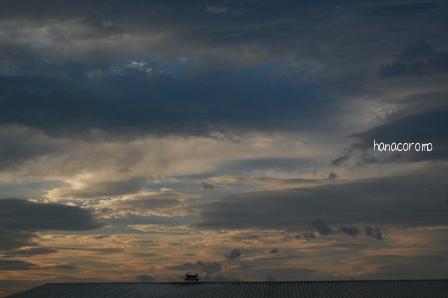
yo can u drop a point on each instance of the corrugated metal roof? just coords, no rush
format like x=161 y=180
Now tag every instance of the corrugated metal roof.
x=243 y=289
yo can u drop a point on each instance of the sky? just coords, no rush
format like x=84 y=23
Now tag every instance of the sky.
x=143 y=139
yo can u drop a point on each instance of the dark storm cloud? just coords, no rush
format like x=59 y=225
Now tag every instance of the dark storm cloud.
x=323 y=40
x=400 y=200
x=14 y=239
x=19 y=145
x=423 y=127
x=419 y=102
x=420 y=58
x=123 y=104
x=102 y=54
x=17 y=214
x=19 y=219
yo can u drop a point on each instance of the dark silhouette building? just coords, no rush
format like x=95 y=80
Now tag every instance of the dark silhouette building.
x=243 y=289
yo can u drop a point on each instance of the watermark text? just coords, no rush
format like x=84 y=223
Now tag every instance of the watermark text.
x=400 y=147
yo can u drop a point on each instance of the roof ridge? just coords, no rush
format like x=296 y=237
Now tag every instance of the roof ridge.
x=248 y=281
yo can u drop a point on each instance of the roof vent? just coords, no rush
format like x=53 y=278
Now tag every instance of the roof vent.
x=191 y=277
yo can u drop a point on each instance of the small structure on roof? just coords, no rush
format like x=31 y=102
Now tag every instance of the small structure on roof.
x=191 y=277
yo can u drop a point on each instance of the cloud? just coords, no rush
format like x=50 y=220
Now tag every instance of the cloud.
x=30 y=251
x=95 y=189
x=130 y=105
x=148 y=203
x=141 y=66
x=389 y=266
x=392 y=10
x=199 y=96
x=162 y=201
x=216 y=9
x=332 y=176
x=199 y=266
x=65 y=267
x=14 y=239
x=144 y=278
x=422 y=127
x=21 y=218
x=395 y=200
x=21 y=144
x=349 y=230
x=320 y=227
x=374 y=232
x=260 y=165
x=163 y=228
x=77 y=31
x=12 y=265
x=417 y=59
x=20 y=214
x=38 y=38
x=233 y=254
x=118 y=101
x=206 y=185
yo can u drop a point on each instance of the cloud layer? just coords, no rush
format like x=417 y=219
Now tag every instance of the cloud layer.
x=164 y=133
x=21 y=218
x=387 y=200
